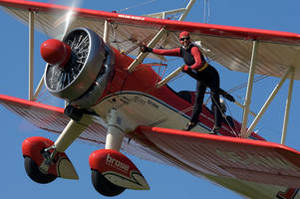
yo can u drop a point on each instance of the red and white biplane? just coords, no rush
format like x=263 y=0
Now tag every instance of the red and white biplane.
x=119 y=102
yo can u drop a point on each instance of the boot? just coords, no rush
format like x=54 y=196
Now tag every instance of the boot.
x=190 y=125
x=215 y=130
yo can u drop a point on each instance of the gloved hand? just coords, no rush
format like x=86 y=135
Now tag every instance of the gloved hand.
x=186 y=68
x=145 y=49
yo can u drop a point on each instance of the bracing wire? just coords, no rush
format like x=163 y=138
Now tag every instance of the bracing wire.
x=230 y=113
x=206 y=11
x=135 y=6
x=42 y=95
x=243 y=85
x=223 y=115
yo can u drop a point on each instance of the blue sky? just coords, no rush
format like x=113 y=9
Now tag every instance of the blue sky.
x=165 y=181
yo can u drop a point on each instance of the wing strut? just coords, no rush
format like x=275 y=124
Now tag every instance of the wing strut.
x=39 y=87
x=32 y=96
x=245 y=133
x=187 y=10
x=175 y=73
x=267 y=103
x=287 y=106
x=31 y=51
x=142 y=55
x=249 y=90
x=157 y=37
x=105 y=31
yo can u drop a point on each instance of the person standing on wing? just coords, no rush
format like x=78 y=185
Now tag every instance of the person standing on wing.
x=198 y=68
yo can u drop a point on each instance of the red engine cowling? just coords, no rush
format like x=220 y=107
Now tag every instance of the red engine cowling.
x=118 y=169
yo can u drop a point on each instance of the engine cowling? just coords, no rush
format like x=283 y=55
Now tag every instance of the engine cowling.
x=84 y=76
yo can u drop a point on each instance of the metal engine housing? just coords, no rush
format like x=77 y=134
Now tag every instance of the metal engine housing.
x=82 y=81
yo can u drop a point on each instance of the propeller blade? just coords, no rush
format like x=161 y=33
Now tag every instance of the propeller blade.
x=63 y=20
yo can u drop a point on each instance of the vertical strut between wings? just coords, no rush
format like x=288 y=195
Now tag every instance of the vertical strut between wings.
x=249 y=89
x=32 y=95
x=267 y=103
x=31 y=57
x=287 y=107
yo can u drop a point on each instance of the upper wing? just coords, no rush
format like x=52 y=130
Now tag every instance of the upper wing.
x=258 y=169
x=229 y=46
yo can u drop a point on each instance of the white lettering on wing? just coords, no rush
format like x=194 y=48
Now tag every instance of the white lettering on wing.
x=132 y=17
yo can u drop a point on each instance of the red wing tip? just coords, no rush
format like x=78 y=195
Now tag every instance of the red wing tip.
x=5 y=99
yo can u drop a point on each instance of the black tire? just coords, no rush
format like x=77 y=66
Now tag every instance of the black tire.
x=105 y=187
x=35 y=174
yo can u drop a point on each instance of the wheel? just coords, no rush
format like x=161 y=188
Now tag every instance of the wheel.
x=105 y=187
x=35 y=174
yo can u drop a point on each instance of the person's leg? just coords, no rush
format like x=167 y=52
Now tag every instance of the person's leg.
x=216 y=110
x=214 y=85
x=201 y=87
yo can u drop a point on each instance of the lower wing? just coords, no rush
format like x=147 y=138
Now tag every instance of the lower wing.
x=256 y=169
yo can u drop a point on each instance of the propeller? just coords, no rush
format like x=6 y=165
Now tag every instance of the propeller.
x=63 y=20
x=79 y=63
x=53 y=50
x=64 y=53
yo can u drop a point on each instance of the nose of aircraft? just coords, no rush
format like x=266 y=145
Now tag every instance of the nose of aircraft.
x=54 y=52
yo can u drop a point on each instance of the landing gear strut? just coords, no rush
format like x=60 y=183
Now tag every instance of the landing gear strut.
x=113 y=172
x=114 y=138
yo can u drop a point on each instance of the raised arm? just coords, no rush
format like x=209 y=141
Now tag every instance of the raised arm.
x=168 y=52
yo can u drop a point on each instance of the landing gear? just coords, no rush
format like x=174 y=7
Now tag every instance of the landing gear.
x=35 y=174
x=103 y=186
x=113 y=172
x=114 y=138
x=46 y=160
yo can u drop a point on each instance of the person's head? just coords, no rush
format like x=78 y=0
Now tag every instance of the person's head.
x=184 y=38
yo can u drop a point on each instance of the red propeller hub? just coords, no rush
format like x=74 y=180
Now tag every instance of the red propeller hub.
x=54 y=51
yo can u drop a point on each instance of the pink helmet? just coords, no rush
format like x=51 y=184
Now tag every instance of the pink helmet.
x=184 y=34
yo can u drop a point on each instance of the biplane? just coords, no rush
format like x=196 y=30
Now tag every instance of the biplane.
x=115 y=100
